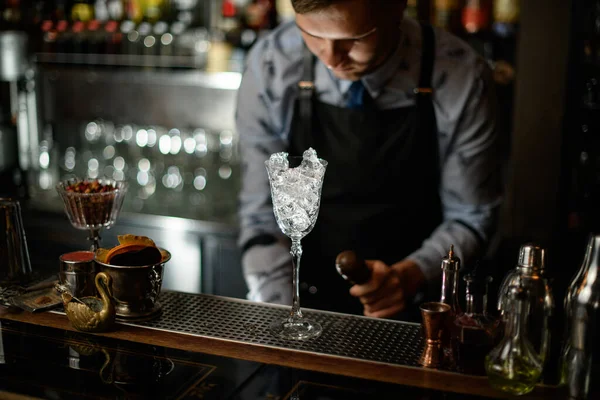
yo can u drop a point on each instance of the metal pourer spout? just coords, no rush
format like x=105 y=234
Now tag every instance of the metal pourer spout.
x=451 y=261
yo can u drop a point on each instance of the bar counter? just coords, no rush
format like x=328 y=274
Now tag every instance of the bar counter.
x=211 y=347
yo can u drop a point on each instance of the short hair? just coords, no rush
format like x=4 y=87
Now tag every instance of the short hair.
x=307 y=6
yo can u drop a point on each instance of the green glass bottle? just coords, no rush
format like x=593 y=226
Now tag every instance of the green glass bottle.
x=513 y=366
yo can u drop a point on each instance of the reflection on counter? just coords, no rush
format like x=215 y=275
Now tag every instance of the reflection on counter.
x=80 y=366
x=50 y=363
x=189 y=173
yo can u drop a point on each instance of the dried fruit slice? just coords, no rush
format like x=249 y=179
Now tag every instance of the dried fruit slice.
x=102 y=255
x=134 y=239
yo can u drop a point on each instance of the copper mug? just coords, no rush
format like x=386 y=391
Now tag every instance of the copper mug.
x=15 y=266
x=435 y=324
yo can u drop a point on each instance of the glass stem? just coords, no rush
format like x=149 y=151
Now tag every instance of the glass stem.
x=95 y=238
x=296 y=252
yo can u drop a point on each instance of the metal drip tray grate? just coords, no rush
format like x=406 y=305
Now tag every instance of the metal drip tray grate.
x=242 y=321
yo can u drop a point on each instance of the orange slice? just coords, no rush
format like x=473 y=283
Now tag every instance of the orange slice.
x=102 y=255
x=134 y=239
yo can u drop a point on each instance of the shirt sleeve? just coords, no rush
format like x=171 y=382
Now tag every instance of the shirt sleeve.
x=471 y=180
x=267 y=268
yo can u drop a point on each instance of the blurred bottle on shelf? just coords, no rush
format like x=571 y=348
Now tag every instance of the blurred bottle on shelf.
x=285 y=10
x=260 y=15
x=11 y=15
x=116 y=10
x=446 y=14
x=152 y=10
x=591 y=40
x=134 y=11
x=78 y=38
x=49 y=37
x=101 y=13
x=63 y=37
x=476 y=22
x=505 y=28
x=95 y=38
x=82 y=10
x=230 y=17
x=61 y=10
x=411 y=10
x=113 y=37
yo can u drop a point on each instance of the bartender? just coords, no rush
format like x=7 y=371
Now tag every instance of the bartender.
x=405 y=116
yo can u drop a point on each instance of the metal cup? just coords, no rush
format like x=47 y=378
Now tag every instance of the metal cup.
x=435 y=322
x=78 y=273
x=15 y=266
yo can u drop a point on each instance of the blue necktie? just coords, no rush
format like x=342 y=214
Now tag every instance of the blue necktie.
x=355 y=95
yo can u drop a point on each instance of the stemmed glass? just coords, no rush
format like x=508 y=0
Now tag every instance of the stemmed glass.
x=296 y=184
x=93 y=211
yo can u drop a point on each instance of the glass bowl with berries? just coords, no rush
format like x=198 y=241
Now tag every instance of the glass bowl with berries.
x=92 y=204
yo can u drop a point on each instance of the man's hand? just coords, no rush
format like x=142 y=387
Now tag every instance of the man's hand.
x=386 y=293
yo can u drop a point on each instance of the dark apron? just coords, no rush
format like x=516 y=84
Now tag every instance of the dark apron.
x=380 y=194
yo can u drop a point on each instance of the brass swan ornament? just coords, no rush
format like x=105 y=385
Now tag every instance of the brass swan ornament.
x=91 y=314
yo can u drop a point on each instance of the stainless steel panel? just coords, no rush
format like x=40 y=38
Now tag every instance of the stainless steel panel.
x=168 y=98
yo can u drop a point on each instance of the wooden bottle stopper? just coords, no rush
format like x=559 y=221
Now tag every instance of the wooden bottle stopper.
x=352 y=268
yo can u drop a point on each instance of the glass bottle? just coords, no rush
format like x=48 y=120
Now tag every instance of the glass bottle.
x=580 y=355
x=411 y=10
x=513 y=366
x=529 y=274
x=476 y=17
x=449 y=295
x=474 y=332
x=450 y=269
x=593 y=246
x=447 y=15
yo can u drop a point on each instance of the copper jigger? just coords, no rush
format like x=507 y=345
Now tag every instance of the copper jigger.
x=435 y=316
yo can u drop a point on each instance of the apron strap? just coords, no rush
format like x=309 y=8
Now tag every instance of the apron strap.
x=427 y=60
x=426 y=120
x=306 y=89
x=424 y=92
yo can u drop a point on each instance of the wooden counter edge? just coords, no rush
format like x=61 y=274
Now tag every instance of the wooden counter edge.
x=355 y=368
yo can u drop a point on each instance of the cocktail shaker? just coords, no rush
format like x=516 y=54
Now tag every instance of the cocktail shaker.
x=15 y=266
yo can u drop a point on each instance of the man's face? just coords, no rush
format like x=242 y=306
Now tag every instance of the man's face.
x=352 y=37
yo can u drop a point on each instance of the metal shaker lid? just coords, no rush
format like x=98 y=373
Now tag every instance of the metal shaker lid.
x=451 y=261
x=532 y=256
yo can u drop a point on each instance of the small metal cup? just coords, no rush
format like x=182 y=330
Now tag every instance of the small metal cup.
x=15 y=266
x=435 y=322
x=78 y=273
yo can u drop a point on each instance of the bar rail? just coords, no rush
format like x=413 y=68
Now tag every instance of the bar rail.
x=359 y=347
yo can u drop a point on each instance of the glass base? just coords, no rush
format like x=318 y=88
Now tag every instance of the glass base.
x=301 y=329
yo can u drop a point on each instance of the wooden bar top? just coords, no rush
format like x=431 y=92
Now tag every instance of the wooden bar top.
x=407 y=376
